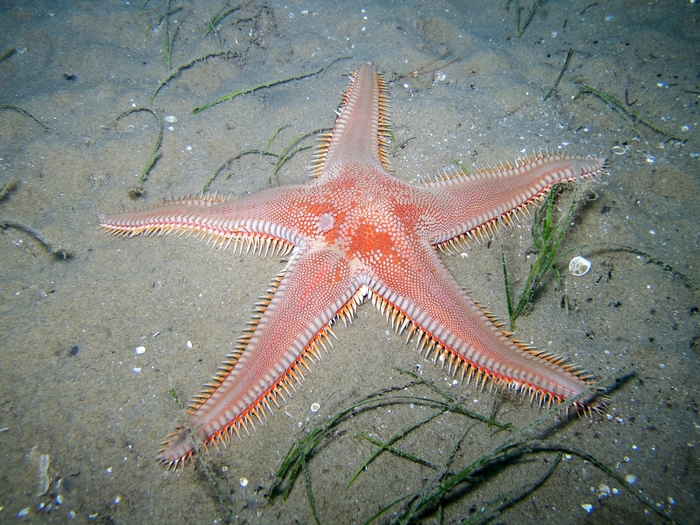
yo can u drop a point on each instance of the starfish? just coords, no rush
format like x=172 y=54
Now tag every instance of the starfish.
x=354 y=233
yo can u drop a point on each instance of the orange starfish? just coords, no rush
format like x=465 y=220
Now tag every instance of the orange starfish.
x=356 y=232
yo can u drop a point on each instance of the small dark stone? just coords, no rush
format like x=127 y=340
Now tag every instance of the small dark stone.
x=74 y=351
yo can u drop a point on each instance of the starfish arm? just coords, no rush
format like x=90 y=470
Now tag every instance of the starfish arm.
x=289 y=329
x=458 y=333
x=361 y=128
x=277 y=217
x=478 y=201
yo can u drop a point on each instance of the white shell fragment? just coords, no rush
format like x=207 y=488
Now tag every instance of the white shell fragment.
x=170 y=119
x=44 y=481
x=587 y=507
x=315 y=407
x=42 y=462
x=140 y=350
x=243 y=482
x=579 y=266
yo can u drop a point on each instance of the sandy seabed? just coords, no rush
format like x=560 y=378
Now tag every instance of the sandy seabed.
x=74 y=391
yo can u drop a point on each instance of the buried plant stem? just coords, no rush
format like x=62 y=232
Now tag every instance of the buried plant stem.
x=505 y=453
x=442 y=489
x=521 y=25
x=506 y=500
x=431 y=67
x=624 y=110
x=473 y=473
x=7 y=188
x=287 y=153
x=561 y=74
x=305 y=447
x=55 y=250
x=267 y=145
x=625 y=248
x=175 y=72
x=309 y=492
x=228 y=161
x=506 y=281
x=396 y=145
x=141 y=9
x=138 y=191
x=166 y=35
x=7 y=54
x=25 y=113
x=252 y=89
x=223 y=13
x=209 y=474
x=202 y=458
x=155 y=155
x=528 y=19
x=387 y=445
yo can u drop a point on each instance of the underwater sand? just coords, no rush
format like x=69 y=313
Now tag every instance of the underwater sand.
x=73 y=387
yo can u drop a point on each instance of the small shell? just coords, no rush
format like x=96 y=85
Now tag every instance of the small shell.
x=579 y=266
x=170 y=119
x=43 y=474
